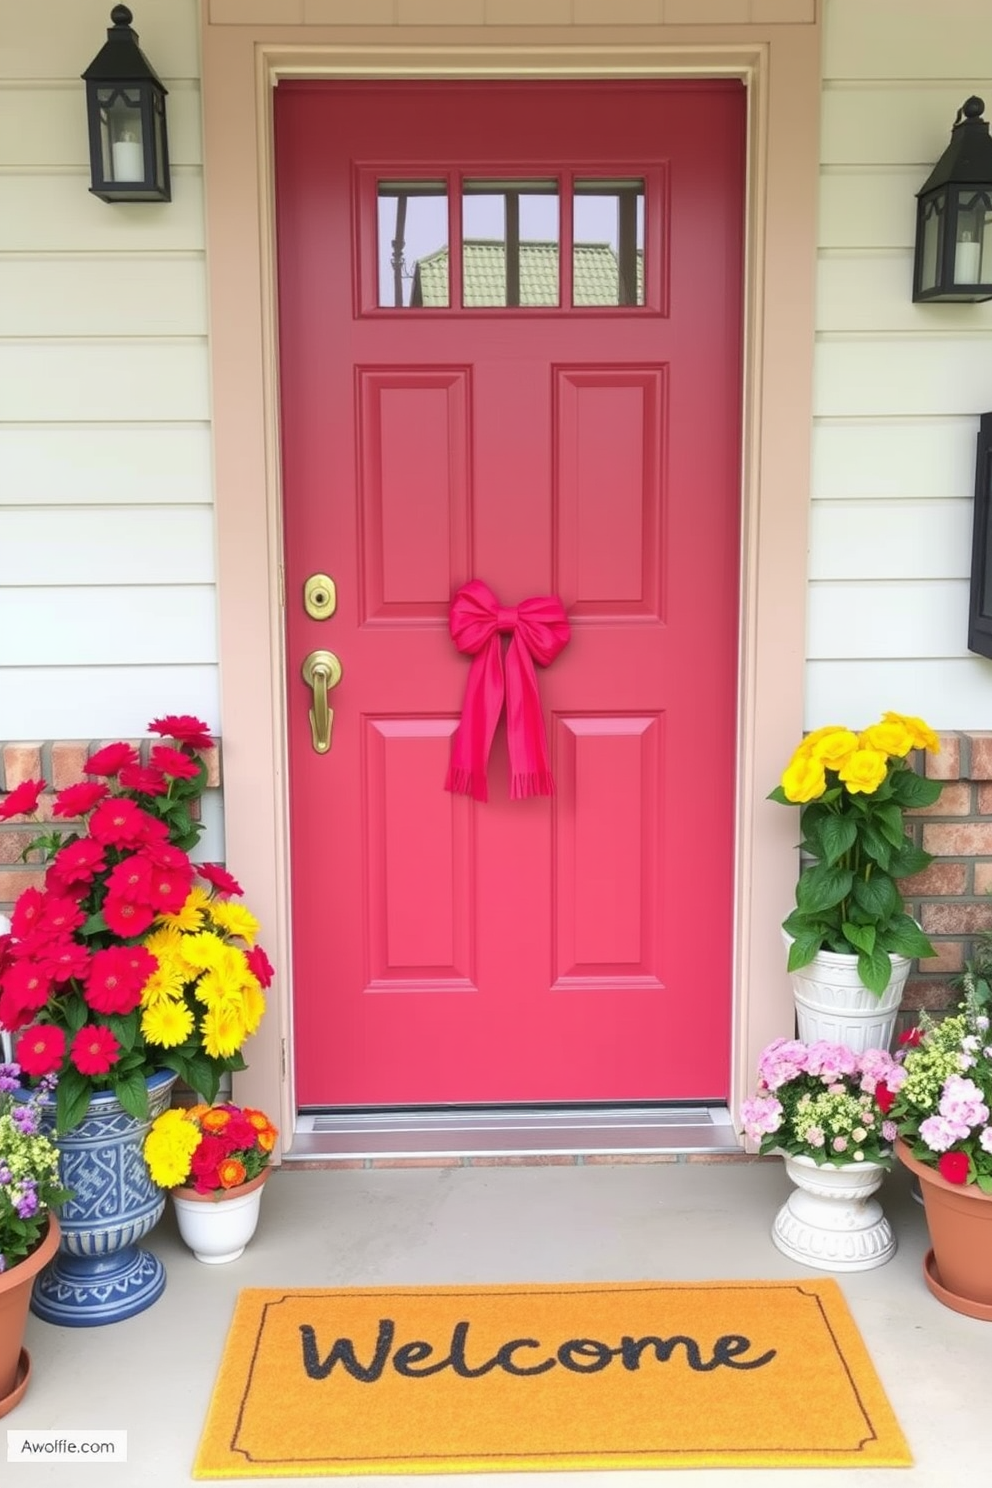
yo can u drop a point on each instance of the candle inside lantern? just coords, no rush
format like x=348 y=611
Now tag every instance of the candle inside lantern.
x=967 y=258
x=129 y=159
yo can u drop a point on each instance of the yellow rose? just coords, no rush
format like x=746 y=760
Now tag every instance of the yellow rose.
x=864 y=771
x=815 y=735
x=804 y=779
x=834 y=747
x=892 y=738
x=922 y=734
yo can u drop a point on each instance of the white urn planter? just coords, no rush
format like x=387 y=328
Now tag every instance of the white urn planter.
x=217 y=1226
x=831 y=1221
x=832 y=1002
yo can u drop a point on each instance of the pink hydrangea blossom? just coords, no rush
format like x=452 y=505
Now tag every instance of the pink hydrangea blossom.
x=781 y=1062
x=760 y=1116
x=985 y=1138
x=940 y=1134
x=961 y=1102
x=889 y=1131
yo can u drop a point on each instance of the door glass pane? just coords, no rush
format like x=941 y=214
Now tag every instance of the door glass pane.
x=413 y=243
x=510 y=235
x=608 y=243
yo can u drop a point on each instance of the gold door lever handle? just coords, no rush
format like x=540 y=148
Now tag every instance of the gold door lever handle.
x=321 y=672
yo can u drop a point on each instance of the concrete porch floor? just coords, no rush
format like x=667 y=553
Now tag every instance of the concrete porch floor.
x=152 y=1375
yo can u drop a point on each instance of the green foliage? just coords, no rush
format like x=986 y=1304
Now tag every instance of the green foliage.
x=853 y=792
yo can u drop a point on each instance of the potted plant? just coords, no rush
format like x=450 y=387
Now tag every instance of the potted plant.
x=131 y=966
x=942 y=1110
x=818 y=1105
x=214 y=1159
x=849 y=937
x=30 y=1191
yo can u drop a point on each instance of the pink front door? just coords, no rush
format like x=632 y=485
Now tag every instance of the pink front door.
x=510 y=348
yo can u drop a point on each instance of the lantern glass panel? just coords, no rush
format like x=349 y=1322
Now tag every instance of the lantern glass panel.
x=933 y=243
x=122 y=134
x=973 y=237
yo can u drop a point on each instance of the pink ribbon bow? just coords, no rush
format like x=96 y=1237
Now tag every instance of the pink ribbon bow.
x=538 y=630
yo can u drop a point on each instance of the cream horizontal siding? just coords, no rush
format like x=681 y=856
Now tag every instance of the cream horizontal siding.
x=107 y=592
x=96 y=464
x=898 y=387
x=75 y=626
x=115 y=545
x=99 y=702
x=907 y=458
x=847 y=621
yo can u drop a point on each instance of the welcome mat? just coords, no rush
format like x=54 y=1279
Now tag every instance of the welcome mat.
x=500 y=1378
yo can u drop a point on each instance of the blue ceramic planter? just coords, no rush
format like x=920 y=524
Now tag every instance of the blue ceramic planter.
x=100 y=1274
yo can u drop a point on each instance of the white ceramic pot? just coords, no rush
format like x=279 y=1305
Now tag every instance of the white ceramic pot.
x=831 y=1221
x=833 y=1003
x=217 y=1228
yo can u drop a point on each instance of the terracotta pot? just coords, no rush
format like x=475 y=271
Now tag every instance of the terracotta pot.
x=218 y=1225
x=958 y=1270
x=15 y=1295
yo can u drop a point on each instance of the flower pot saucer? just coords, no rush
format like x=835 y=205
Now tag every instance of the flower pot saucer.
x=21 y=1381
x=980 y=1310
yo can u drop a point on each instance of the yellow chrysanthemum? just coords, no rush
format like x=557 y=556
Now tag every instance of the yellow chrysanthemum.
x=223 y=1029
x=804 y=778
x=164 y=985
x=204 y=950
x=165 y=942
x=234 y=918
x=167 y=1023
x=225 y=980
x=254 y=1003
x=891 y=737
x=864 y=771
x=834 y=748
x=922 y=734
x=169 y=1147
x=190 y=917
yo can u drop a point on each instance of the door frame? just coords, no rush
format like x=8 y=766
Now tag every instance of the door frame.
x=779 y=65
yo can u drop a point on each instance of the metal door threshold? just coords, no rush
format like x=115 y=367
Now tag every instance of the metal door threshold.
x=516 y=1132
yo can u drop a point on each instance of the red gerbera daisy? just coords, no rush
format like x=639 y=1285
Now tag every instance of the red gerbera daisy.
x=27 y=985
x=173 y=762
x=40 y=1049
x=184 y=728
x=111 y=986
x=76 y=800
x=26 y=912
x=94 y=1049
x=126 y=918
x=108 y=761
x=222 y=881
x=120 y=823
x=23 y=799
x=65 y=959
x=76 y=863
x=260 y=966
x=130 y=878
x=145 y=781
x=59 y=917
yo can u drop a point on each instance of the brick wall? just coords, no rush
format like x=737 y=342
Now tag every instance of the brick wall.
x=951 y=898
x=60 y=763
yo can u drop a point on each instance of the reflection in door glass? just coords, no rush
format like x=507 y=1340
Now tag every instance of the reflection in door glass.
x=608 y=243
x=413 y=243
x=510 y=238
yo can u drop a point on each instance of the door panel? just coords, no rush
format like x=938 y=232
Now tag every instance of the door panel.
x=551 y=414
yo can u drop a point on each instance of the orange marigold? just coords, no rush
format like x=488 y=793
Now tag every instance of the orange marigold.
x=215 y=1119
x=230 y=1172
x=267 y=1139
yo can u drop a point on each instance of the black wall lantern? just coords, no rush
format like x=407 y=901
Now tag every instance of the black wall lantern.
x=954 y=216
x=125 y=106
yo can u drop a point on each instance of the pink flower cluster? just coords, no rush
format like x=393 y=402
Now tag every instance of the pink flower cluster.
x=785 y=1060
x=961 y=1108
